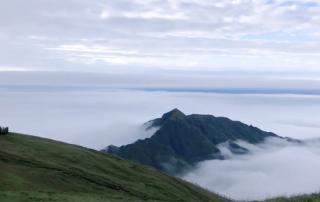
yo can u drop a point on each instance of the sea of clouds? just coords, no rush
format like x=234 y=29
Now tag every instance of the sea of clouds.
x=97 y=117
x=271 y=169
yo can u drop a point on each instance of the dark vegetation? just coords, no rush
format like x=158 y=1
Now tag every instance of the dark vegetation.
x=182 y=141
x=302 y=198
x=37 y=169
x=4 y=130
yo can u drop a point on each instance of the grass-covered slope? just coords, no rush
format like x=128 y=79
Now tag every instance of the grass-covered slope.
x=302 y=198
x=37 y=169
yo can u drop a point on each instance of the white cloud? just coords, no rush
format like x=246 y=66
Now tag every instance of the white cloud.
x=252 y=35
x=275 y=168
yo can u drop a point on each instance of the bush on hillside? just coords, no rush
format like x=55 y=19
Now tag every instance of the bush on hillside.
x=4 y=130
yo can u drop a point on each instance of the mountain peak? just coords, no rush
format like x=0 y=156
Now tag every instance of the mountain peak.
x=182 y=141
x=173 y=115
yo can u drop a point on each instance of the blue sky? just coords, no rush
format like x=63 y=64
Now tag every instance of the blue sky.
x=158 y=35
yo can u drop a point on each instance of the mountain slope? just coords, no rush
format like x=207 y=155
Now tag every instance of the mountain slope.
x=302 y=198
x=181 y=141
x=37 y=169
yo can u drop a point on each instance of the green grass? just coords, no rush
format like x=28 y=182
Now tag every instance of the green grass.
x=302 y=198
x=37 y=169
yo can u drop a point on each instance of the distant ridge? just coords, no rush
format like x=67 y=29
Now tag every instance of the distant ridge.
x=184 y=140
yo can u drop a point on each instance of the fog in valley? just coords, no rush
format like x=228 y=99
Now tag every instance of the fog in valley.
x=275 y=168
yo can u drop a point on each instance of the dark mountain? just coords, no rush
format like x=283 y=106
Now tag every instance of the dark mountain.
x=182 y=141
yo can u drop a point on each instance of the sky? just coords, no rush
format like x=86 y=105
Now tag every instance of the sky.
x=161 y=35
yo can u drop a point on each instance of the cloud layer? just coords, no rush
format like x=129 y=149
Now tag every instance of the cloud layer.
x=96 y=110
x=101 y=114
x=133 y=35
x=276 y=168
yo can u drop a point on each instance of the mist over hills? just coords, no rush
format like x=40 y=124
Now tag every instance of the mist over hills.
x=182 y=140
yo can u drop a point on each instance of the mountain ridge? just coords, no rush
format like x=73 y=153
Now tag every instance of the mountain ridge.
x=184 y=140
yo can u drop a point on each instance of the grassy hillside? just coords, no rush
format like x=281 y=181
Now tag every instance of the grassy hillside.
x=37 y=169
x=303 y=198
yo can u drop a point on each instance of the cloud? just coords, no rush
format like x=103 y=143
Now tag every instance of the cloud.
x=96 y=110
x=102 y=36
x=299 y=123
x=275 y=168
